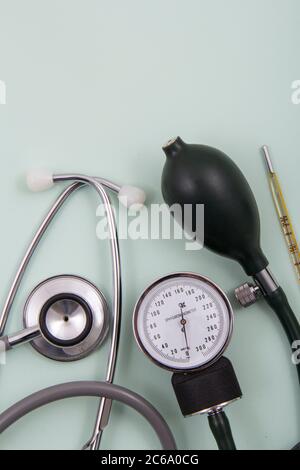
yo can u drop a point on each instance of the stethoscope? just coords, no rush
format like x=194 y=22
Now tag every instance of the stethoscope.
x=66 y=317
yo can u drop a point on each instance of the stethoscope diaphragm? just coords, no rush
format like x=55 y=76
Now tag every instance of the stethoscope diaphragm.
x=72 y=315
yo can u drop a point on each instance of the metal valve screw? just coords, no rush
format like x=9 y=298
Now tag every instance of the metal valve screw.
x=247 y=294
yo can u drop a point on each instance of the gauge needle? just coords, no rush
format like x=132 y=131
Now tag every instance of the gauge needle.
x=183 y=323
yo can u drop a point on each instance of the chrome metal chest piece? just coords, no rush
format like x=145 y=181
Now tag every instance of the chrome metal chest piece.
x=72 y=315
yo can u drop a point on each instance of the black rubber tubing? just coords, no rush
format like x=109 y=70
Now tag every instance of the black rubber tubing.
x=220 y=427
x=279 y=303
x=91 y=389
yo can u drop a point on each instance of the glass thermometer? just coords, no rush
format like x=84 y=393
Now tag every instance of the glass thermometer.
x=283 y=214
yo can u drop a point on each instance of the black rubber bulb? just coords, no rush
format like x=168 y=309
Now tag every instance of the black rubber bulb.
x=198 y=174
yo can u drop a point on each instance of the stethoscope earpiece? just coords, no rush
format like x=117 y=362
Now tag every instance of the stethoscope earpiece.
x=131 y=196
x=38 y=180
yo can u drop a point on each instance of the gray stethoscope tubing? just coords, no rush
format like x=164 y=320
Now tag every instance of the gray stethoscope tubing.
x=92 y=389
x=97 y=183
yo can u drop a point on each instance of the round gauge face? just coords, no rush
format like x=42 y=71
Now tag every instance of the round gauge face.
x=183 y=322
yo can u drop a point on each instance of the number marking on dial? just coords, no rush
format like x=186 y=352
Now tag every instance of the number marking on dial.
x=184 y=322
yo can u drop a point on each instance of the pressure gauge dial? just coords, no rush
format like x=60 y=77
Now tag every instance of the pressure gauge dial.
x=183 y=322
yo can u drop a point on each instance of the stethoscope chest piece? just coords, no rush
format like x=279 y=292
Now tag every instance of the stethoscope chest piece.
x=72 y=315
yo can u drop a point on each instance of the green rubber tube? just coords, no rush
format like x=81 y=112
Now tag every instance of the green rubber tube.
x=279 y=303
x=220 y=427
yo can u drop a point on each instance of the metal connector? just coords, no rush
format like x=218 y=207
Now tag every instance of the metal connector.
x=248 y=294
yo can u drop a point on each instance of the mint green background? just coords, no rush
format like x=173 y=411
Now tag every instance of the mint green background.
x=98 y=86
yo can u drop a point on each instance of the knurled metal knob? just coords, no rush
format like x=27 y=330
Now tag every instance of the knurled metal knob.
x=247 y=294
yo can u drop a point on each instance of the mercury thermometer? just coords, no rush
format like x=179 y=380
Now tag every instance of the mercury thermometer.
x=283 y=214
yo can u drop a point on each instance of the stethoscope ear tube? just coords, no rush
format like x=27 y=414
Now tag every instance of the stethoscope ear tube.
x=91 y=389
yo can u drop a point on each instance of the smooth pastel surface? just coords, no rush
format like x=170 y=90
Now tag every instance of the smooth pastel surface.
x=97 y=87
